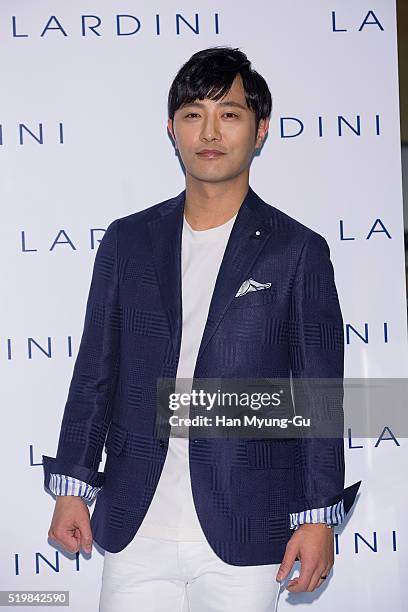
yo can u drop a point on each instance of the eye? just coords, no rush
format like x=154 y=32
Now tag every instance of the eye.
x=231 y=114
x=191 y=114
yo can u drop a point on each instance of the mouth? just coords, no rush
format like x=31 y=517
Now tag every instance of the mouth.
x=210 y=154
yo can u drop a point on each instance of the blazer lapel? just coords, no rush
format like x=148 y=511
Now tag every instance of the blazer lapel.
x=165 y=234
x=248 y=236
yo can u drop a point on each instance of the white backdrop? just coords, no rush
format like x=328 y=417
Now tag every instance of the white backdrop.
x=83 y=141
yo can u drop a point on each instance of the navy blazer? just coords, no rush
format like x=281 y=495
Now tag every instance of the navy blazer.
x=243 y=489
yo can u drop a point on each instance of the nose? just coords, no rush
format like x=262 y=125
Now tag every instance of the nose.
x=210 y=130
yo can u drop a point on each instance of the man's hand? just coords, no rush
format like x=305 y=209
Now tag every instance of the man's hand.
x=313 y=545
x=70 y=525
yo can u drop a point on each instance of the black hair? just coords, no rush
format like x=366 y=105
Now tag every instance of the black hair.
x=209 y=73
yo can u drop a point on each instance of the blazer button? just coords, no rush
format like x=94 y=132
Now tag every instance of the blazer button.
x=161 y=443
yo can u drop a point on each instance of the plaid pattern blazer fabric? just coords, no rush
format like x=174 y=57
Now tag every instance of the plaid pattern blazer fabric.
x=243 y=490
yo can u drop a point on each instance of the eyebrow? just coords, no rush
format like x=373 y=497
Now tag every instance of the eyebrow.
x=225 y=103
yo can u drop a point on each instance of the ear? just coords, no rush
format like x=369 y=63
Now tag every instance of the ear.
x=170 y=129
x=262 y=131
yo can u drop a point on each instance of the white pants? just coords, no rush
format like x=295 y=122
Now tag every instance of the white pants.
x=154 y=575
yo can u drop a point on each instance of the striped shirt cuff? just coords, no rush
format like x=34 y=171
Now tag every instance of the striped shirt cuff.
x=331 y=515
x=60 y=484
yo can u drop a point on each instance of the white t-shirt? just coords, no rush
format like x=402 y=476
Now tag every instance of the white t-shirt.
x=171 y=514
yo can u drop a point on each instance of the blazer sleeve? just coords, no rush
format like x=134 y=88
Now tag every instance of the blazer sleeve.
x=89 y=404
x=317 y=351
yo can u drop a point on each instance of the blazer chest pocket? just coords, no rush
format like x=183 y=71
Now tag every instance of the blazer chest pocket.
x=254 y=298
x=267 y=453
x=116 y=438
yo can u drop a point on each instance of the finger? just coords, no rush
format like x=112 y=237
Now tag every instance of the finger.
x=287 y=562
x=320 y=580
x=316 y=580
x=72 y=540
x=67 y=540
x=86 y=538
x=319 y=584
x=302 y=581
x=77 y=535
x=326 y=573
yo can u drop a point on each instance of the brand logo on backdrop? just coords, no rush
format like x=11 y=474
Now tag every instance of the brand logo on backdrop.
x=289 y=127
x=44 y=348
x=361 y=334
x=36 y=133
x=385 y=435
x=376 y=230
x=131 y=25
x=43 y=563
x=37 y=563
x=369 y=21
x=119 y=25
x=377 y=227
x=61 y=240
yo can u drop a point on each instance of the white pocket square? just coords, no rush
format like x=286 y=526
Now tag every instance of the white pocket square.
x=251 y=285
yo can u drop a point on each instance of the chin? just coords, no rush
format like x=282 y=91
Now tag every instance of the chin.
x=210 y=178
x=211 y=174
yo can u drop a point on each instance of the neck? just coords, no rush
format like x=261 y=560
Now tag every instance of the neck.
x=209 y=205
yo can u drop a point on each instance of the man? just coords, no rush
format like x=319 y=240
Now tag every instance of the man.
x=213 y=282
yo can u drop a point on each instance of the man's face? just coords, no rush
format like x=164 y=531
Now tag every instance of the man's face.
x=226 y=126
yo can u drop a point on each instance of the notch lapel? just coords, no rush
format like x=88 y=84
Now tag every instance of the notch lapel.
x=165 y=235
x=248 y=237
